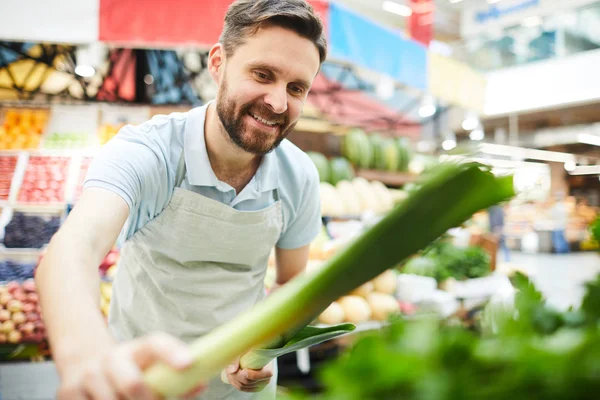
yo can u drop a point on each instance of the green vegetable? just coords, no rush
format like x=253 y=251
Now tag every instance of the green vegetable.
x=308 y=336
x=390 y=154
x=426 y=359
x=423 y=266
x=376 y=145
x=404 y=155
x=341 y=170
x=595 y=229
x=442 y=260
x=322 y=165
x=357 y=148
x=449 y=196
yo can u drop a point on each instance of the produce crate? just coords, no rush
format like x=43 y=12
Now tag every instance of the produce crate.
x=20 y=318
x=29 y=229
x=8 y=165
x=44 y=180
x=22 y=128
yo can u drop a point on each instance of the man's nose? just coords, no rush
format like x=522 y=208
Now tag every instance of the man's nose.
x=276 y=98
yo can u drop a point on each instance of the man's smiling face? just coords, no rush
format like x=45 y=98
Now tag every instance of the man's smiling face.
x=263 y=88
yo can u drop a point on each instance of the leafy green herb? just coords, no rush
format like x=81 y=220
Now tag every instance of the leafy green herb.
x=442 y=260
x=595 y=229
x=536 y=354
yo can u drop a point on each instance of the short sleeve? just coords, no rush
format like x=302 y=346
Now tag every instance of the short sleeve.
x=132 y=165
x=306 y=225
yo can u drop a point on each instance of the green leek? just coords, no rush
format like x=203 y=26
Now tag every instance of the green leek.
x=446 y=197
x=308 y=336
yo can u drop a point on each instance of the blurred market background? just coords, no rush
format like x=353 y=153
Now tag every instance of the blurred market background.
x=513 y=84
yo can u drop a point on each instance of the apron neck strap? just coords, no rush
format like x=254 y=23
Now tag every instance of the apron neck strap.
x=181 y=170
x=180 y=174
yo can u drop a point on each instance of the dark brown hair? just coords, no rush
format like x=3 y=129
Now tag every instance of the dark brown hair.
x=245 y=17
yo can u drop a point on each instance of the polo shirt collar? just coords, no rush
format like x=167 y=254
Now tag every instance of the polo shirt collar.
x=199 y=170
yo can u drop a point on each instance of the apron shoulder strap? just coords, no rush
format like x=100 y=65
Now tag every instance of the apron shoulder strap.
x=180 y=174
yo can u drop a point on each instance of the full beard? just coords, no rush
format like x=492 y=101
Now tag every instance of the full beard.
x=248 y=138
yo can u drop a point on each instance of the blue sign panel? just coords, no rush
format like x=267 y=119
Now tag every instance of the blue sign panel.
x=364 y=43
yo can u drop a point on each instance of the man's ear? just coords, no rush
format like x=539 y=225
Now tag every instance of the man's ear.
x=216 y=61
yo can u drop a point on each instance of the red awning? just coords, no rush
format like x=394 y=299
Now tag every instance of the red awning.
x=169 y=23
x=355 y=108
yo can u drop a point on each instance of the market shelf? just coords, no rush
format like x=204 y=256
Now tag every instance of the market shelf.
x=21 y=252
x=386 y=177
x=39 y=208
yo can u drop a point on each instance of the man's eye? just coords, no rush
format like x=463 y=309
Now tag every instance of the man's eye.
x=261 y=75
x=297 y=89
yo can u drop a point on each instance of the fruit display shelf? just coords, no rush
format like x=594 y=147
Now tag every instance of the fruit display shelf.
x=22 y=129
x=394 y=179
x=30 y=230
x=20 y=320
x=11 y=270
x=107 y=132
x=44 y=180
x=66 y=141
x=8 y=165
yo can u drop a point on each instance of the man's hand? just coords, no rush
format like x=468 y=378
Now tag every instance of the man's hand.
x=118 y=373
x=249 y=380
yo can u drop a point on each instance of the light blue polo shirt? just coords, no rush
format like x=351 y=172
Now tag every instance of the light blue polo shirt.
x=140 y=162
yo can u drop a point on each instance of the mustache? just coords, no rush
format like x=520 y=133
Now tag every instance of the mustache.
x=263 y=111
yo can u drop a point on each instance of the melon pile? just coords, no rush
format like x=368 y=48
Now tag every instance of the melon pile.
x=334 y=171
x=376 y=152
x=350 y=198
x=373 y=301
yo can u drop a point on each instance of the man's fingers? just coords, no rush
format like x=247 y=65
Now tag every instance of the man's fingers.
x=234 y=366
x=259 y=375
x=254 y=388
x=127 y=378
x=161 y=347
x=71 y=393
x=98 y=387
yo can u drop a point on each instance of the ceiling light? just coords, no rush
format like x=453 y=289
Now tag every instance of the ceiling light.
x=88 y=57
x=428 y=107
x=148 y=79
x=396 y=8
x=427 y=110
x=570 y=166
x=492 y=1
x=85 y=71
x=587 y=138
x=530 y=22
x=448 y=144
x=477 y=134
x=454 y=1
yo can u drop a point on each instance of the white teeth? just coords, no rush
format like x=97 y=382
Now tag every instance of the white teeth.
x=264 y=121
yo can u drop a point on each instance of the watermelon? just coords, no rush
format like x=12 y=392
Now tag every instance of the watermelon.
x=322 y=165
x=357 y=148
x=341 y=169
x=403 y=154
x=376 y=145
x=366 y=152
x=350 y=146
x=390 y=154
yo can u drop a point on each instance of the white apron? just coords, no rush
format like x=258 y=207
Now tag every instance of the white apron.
x=195 y=266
